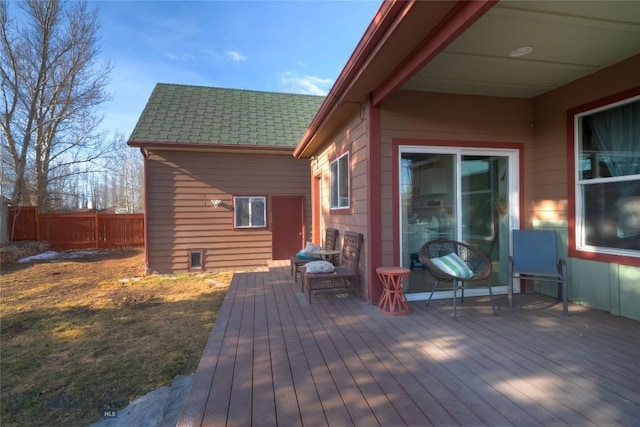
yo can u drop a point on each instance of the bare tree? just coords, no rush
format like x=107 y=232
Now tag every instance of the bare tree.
x=133 y=182
x=117 y=183
x=127 y=181
x=51 y=89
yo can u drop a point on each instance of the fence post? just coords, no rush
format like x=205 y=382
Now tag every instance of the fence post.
x=37 y=218
x=4 y=220
x=97 y=229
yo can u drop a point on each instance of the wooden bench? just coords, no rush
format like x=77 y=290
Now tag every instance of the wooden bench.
x=346 y=274
x=330 y=241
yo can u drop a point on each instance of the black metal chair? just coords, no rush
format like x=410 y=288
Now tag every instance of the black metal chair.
x=478 y=263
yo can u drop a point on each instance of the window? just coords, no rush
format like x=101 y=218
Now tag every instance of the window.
x=608 y=179
x=339 y=170
x=195 y=259
x=250 y=212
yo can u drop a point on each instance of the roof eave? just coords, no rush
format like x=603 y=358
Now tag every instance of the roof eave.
x=217 y=148
x=386 y=14
x=360 y=78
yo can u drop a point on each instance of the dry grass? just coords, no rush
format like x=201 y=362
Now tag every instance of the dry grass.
x=81 y=336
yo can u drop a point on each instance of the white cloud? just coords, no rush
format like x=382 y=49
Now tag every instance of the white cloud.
x=235 y=55
x=185 y=57
x=222 y=57
x=308 y=85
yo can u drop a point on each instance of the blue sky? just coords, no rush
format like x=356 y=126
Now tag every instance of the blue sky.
x=276 y=46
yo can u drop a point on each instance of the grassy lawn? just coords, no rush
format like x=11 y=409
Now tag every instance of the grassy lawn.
x=80 y=336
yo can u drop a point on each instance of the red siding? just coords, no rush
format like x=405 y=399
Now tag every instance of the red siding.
x=353 y=138
x=181 y=216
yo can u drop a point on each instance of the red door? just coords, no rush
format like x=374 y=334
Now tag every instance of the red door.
x=287 y=226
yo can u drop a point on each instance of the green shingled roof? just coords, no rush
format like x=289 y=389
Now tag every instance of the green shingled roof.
x=208 y=115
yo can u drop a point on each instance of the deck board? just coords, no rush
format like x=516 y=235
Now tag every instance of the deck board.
x=274 y=359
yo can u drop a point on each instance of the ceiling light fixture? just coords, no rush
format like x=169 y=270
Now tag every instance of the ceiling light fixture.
x=520 y=51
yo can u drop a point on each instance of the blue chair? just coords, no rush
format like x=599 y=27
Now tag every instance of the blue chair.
x=535 y=257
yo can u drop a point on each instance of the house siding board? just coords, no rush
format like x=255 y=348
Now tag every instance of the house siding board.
x=595 y=283
x=352 y=137
x=591 y=283
x=180 y=187
x=625 y=292
x=457 y=117
x=550 y=214
x=552 y=177
x=550 y=160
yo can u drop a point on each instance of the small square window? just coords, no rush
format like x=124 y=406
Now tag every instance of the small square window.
x=250 y=212
x=196 y=260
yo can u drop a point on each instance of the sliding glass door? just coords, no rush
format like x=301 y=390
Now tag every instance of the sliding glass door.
x=461 y=194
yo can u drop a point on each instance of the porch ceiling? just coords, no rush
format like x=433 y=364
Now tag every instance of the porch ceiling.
x=570 y=39
x=405 y=48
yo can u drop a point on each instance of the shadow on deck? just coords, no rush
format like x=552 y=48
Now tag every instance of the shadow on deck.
x=273 y=359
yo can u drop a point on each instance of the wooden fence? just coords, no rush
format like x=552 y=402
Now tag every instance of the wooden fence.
x=76 y=230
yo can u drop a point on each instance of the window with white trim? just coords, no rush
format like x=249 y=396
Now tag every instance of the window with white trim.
x=608 y=179
x=339 y=173
x=250 y=211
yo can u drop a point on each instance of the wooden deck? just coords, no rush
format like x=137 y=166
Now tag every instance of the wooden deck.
x=273 y=359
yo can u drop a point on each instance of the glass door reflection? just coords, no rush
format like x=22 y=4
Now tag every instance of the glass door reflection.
x=461 y=195
x=428 y=193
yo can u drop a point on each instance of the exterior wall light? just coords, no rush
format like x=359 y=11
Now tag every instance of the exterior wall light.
x=216 y=203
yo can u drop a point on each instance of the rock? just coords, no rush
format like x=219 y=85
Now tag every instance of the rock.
x=159 y=408
x=12 y=252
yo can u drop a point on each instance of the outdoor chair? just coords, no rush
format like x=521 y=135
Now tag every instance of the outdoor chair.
x=330 y=241
x=458 y=263
x=535 y=257
x=345 y=275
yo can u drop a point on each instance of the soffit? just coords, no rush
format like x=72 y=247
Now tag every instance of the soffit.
x=570 y=40
x=379 y=52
